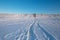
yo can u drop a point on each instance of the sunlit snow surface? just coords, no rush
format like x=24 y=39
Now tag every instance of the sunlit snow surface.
x=26 y=27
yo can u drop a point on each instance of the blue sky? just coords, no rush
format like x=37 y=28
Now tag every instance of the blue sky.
x=30 y=6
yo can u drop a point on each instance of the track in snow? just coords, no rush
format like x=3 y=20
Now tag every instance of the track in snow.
x=30 y=34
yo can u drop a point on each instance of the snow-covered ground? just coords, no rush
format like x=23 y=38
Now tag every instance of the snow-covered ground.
x=26 y=27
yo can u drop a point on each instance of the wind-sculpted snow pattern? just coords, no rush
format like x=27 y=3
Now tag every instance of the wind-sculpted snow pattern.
x=29 y=29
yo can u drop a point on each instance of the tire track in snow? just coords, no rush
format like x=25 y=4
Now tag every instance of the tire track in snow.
x=32 y=35
x=46 y=34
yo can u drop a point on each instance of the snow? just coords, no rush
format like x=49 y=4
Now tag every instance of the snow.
x=26 y=27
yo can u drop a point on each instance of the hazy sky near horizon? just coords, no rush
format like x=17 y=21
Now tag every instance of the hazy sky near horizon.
x=30 y=6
